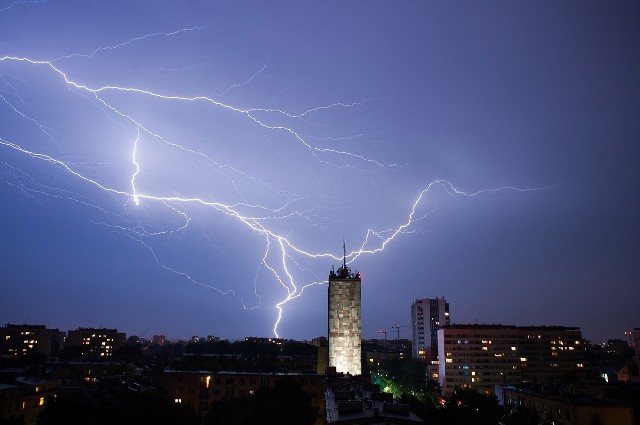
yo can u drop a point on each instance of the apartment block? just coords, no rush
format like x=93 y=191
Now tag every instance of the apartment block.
x=19 y=340
x=483 y=356
x=97 y=343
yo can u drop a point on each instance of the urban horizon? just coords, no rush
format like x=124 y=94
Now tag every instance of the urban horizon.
x=378 y=334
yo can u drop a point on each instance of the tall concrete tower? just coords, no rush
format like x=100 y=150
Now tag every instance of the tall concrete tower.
x=345 y=319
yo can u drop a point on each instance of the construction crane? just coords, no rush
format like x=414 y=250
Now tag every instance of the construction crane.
x=397 y=327
x=385 y=332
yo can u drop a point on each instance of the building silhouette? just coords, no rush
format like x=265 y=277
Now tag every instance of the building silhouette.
x=345 y=320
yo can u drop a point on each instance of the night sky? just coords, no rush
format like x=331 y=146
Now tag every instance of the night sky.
x=185 y=168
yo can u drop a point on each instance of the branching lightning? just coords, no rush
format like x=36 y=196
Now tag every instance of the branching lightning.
x=282 y=253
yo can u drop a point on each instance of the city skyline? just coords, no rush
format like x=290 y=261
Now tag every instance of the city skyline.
x=195 y=169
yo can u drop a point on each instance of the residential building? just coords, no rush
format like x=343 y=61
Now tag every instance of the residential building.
x=26 y=399
x=198 y=389
x=19 y=340
x=550 y=353
x=635 y=343
x=322 y=362
x=96 y=343
x=568 y=409
x=635 y=338
x=482 y=356
x=159 y=340
x=478 y=356
x=427 y=316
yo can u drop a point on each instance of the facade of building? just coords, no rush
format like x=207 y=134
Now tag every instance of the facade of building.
x=550 y=352
x=198 y=389
x=635 y=338
x=19 y=340
x=345 y=320
x=568 y=409
x=26 y=399
x=97 y=343
x=159 y=340
x=322 y=363
x=483 y=356
x=478 y=356
x=635 y=343
x=427 y=316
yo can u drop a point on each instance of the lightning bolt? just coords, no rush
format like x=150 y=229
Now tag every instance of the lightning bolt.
x=17 y=2
x=282 y=256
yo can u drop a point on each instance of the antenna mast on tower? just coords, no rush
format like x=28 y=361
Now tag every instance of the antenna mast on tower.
x=344 y=258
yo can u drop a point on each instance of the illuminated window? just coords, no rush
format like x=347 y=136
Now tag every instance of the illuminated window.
x=41 y=401
x=449 y=360
x=177 y=400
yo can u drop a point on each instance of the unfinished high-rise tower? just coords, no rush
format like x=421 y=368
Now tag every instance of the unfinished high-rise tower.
x=345 y=319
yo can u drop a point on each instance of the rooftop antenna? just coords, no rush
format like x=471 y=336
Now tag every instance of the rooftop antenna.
x=344 y=258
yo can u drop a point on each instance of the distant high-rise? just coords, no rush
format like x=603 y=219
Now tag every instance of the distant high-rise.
x=345 y=320
x=427 y=316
